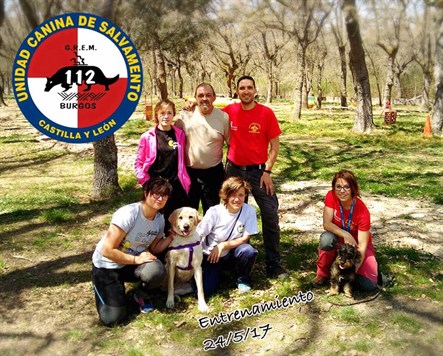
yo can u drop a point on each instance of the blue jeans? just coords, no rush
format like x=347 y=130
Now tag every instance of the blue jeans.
x=241 y=259
x=268 y=205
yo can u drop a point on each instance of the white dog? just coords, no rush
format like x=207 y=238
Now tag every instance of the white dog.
x=184 y=256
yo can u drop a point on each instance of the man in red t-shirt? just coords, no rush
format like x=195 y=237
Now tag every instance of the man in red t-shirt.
x=253 y=150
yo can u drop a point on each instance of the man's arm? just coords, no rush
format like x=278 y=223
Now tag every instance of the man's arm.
x=272 y=157
x=273 y=153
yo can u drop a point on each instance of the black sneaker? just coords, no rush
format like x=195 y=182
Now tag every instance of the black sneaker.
x=276 y=271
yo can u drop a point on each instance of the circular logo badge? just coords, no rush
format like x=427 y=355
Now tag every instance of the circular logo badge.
x=77 y=77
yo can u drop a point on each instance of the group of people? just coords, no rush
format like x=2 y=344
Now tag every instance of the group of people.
x=181 y=164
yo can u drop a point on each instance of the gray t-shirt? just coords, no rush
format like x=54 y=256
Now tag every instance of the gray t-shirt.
x=140 y=232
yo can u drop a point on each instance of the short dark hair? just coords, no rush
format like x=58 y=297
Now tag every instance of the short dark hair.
x=243 y=77
x=158 y=185
x=349 y=177
x=203 y=85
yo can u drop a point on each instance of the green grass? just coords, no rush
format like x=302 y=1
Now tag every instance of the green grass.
x=46 y=210
x=395 y=161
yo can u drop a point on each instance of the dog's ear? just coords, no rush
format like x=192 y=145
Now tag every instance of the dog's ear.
x=198 y=217
x=357 y=256
x=173 y=217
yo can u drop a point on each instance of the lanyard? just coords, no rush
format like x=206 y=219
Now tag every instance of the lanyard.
x=235 y=222
x=342 y=214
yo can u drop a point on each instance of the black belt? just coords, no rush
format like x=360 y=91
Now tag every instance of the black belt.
x=250 y=167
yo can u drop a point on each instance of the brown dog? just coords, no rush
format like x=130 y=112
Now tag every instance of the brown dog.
x=343 y=270
x=185 y=255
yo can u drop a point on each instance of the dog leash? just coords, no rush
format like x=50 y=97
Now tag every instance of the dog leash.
x=356 y=302
x=191 y=253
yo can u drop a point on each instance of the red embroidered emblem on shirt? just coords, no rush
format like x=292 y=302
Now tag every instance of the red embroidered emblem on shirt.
x=254 y=128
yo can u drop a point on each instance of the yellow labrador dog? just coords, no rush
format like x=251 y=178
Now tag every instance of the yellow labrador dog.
x=184 y=255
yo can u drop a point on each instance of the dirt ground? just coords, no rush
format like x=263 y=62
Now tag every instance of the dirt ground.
x=47 y=304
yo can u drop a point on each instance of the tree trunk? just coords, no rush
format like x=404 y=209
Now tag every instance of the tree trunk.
x=389 y=80
x=161 y=73
x=343 y=74
x=105 y=179
x=105 y=182
x=437 y=110
x=277 y=89
x=319 y=88
x=270 y=76
x=229 y=78
x=298 y=90
x=397 y=85
x=363 y=121
x=427 y=76
x=180 y=80
x=377 y=82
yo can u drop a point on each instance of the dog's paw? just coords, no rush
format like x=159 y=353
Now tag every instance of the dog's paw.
x=170 y=303
x=177 y=298
x=202 y=307
x=349 y=295
x=332 y=292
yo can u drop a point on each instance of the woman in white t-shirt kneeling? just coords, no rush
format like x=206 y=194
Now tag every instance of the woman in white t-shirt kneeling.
x=127 y=253
x=225 y=231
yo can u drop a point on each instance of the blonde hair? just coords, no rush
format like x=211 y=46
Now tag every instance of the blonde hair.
x=163 y=104
x=231 y=185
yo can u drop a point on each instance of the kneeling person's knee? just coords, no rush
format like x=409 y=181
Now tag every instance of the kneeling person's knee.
x=111 y=316
x=327 y=241
x=151 y=273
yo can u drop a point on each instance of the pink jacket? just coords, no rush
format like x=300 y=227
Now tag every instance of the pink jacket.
x=147 y=152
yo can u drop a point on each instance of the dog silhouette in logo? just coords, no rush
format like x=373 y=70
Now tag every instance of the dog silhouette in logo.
x=90 y=75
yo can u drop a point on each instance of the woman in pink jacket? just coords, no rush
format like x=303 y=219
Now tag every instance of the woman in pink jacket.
x=161 y=153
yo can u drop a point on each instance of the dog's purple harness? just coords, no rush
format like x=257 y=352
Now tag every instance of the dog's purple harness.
x=191 y=253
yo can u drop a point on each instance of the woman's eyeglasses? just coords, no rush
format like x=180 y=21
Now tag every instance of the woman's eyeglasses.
x=157 y=196
x=342 y=187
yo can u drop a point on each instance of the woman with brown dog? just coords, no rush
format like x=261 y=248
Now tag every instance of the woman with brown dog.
x=225 y=231
x=127 y=253
x=346 y=219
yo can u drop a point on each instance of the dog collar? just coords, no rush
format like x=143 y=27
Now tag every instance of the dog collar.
x=190 y=247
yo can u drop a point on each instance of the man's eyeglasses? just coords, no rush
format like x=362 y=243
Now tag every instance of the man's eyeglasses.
x=342 y=187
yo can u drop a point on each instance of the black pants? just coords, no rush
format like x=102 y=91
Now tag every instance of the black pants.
x=268 y=205
x=205 y=186
x=109 y=287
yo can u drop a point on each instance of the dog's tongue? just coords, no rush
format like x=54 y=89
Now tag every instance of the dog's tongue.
x=185 y=233
x=341 y=267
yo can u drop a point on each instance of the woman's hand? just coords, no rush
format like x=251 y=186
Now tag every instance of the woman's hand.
x=216 y=252
x=144 y=257
x=347 y=237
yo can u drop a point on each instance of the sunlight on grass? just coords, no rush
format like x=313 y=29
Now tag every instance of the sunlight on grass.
x=57 y=216
x=346 y=313
x=389 y=161
x=406 y=323
x=46 y=206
